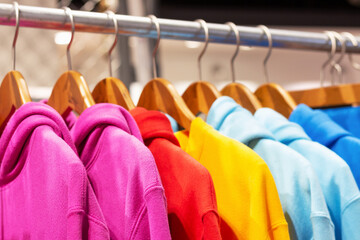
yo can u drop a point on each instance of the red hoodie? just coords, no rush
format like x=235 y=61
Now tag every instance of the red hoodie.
x=192 y=209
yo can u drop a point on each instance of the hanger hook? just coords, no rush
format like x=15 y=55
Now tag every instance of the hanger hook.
x=112 y=15
x=354 y=42
x=203 y=25
x=17 y=25
x=237 y=35
x=155 y=21
x=332 y=39
x=335 y=64
x=269 y=37
x=69 y=14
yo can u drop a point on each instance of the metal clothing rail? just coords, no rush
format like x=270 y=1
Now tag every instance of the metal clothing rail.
x=51 y=18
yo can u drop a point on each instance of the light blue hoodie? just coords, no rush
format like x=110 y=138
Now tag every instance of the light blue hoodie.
x=300 y=193
x=337 y=182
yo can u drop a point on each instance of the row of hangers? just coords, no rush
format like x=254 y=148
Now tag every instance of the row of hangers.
x=71 y=93
x=159 y=94
x=334 y=95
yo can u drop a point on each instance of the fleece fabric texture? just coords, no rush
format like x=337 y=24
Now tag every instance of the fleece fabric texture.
x=45 y=192
x=300 y=193
x=346 y=117
x=248 y=202
x=122 y=172
x=192 y=209
x=69 y=116
x=337 y=182
x=322 y=129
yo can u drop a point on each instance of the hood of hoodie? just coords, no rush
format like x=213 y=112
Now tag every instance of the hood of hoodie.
x=225 y=114
x=153 y=124
x=283 y=130
x=318 y=125
x=18 y=130
x=69 y=117
x=94 y=119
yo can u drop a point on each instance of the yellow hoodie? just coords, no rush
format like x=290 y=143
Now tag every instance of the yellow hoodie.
x=247 y=198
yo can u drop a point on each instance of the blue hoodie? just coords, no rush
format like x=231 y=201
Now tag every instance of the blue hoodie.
x=300 y=193
x=322 y=129
x=347 y=117
x=337 y=182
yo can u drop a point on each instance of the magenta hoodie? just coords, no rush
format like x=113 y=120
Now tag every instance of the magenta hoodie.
x=45 y=192
x=122 y=172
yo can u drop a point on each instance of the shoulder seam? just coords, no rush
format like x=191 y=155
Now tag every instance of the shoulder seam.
x=350 y=202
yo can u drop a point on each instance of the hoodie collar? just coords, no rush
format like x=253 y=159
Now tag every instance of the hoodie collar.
x=283 y=130
x=318 y=125
x=231 y=119
x=17 y=132
x=153 y=124
x=103 y=114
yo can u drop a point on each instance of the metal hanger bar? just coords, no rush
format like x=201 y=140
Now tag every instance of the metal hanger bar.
x=52 y=18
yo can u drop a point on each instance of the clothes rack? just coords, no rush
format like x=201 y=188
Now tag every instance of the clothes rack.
x=52 y=18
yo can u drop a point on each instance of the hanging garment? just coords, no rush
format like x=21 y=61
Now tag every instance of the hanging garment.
x=192 y=209
x=346 y=117
x=322 y=129
x=337 y=182
x=122 y=172
x=248 y=202
x=300 y=193
x=45 y=192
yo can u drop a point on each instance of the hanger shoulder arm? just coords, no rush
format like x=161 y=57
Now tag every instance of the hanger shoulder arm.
x=113 y=90
x=274 y=96
x=71 y=91
x=160 y=95
x=332 y=96
x=199 y=96
x=242 y=95
x=13 y=93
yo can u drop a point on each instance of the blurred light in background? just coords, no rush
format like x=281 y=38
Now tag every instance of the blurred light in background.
x=192 y=44
x=62 y=38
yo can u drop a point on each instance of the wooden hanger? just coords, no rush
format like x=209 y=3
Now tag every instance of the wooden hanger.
x=200 y=95
x=13 y=94
x=242 y=95
x=332 y=96
x=113 y=90
x=237 y=91
x=70 y=91
x=272 y=95
x=13 y=90
x=110 y=89
x=159 y=94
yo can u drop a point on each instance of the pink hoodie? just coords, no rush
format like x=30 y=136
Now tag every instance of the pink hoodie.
x=45 y=192
x=122 y=172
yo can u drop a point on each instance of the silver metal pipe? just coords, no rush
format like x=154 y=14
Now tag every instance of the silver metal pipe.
x=51 y=18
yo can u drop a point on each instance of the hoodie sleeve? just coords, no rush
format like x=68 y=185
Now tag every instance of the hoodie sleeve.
x=85 y=219
x=154 y=215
